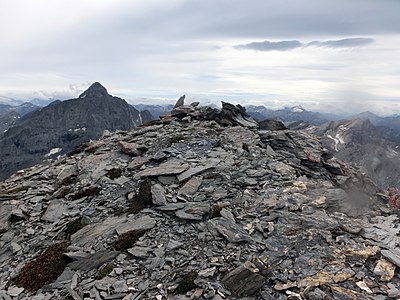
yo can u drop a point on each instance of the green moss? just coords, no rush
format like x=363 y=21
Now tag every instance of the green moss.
x=176 y=138
x=128 y=239
x=45 y=269
x=187 y=283
x=114 y=173
x=105 y=271
x=142 y=198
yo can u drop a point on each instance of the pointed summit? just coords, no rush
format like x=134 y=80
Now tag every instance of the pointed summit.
x=96 y=90
x=180 y=102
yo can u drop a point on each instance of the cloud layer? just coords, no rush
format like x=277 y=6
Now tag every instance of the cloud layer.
x=158 y=48
x=290 y=45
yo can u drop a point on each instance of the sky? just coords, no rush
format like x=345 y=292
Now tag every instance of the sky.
x=326 y=55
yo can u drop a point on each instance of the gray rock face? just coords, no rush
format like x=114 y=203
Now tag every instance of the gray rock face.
x=9 y=114
x=359 y=142
x=236 y=115
x=202 y=208
x=63 y=126
x=55 y=211
x=5 y=214
x=180 y=102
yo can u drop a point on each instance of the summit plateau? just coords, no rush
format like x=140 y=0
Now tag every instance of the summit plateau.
x=201 y=204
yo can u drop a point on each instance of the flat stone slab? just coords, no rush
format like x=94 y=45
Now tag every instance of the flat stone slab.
x=191 y=187
x=94 y=261
x=392 y=255
x=142 y=223
x=141 y=252
x=193 y=211
x=171 y=206
x=56 y=209
x=231 y=231
x=14 y=291
x=108 y=227
x=172 y=167
x=193 y=171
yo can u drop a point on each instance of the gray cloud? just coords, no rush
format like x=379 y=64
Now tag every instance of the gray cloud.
x=290 y=45
x=344 y=43
x=276 y=18
x=161 y=48
x=270 y=46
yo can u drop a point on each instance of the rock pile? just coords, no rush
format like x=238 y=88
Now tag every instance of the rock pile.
x=199 y=205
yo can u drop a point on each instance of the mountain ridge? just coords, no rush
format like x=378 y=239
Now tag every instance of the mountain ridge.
x=64 y=125
x=198 y=204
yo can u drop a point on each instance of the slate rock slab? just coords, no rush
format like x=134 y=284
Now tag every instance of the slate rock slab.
x=55 y=211
x=108 y=227
x=5 y=214
x=94 y=261
x=193 y=211
x=244 y=280
x=231 y=231
x=158 y=195
x=172 y=167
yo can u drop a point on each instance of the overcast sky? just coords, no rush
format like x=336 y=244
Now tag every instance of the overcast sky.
x=327 y=55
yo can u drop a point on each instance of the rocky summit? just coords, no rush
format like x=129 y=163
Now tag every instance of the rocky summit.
x=202 y=204
x=57 y=128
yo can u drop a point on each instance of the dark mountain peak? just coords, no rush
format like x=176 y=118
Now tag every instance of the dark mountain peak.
x=96 y=90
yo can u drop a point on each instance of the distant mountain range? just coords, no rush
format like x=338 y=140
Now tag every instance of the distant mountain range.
x=32 y=133
x=59 y=127
x=290 y=114
x=10 y=114
x=359 y=142
x=365 y=140
x=388 y=127
x=155 y=110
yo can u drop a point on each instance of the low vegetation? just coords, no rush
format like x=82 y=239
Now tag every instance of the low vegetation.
x=114 y=173
x=45 y=269
x=142 y=198
x=105 y=271
x=176 y=138
x=216 y=210
x=187 y=283
x=73 y=227
x=128 y=239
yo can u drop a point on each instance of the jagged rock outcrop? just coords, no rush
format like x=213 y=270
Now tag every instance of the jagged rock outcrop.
x=190 y=207
x=228 y=115
x=59 y=127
